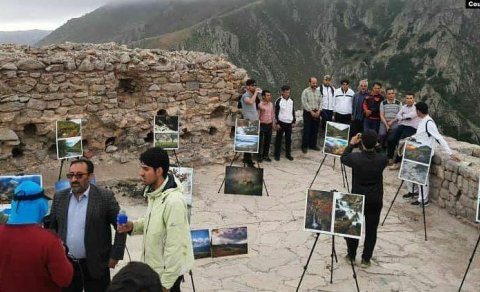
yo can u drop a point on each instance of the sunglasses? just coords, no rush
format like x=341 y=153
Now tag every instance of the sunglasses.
x=77 y=175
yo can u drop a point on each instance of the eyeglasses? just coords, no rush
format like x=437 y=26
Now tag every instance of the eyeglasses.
x=77 y=175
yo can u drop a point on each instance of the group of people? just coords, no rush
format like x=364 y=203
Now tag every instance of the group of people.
x=74 y=250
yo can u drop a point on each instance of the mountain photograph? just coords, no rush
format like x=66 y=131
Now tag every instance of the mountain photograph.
x=412 y=45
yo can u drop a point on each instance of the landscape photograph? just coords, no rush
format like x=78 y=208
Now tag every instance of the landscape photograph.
x=166 y=124
x=9 y=183
x=348 y=215
x=70 y=147
x=318 y=211
x=334 y=146
x=337 y=130
x=247 y=127
x=246 y=143
x=243 y=181
x=414 y=172
x=168 y=141
x=229 y=241
x=69 y=129
x=201 y=243
x=185 y=176
x=417 y=152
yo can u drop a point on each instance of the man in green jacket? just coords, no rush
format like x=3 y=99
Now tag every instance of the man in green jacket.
x=167 y=243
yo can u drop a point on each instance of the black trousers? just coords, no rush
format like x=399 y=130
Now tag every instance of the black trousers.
x=265 y=140
x=176 y=285
x=287 y=129
x=343 y=119
x=326 y=117
x=310 y=130
x=83 y=280
x=372 y=218
x=393 y=139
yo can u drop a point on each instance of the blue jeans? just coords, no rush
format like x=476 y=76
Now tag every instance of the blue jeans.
x=371 y=124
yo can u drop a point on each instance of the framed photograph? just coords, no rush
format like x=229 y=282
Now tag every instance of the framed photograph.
x=334 y=213
x=247 y=136
x=348 y=215
x=69 y=139
x=318 y=211
x=229 y=241
x=415 y=163
x=201 y=243
x=243 y=181
x=336 y=138
x=165 y=132
x=185 y=176
x=10 y=182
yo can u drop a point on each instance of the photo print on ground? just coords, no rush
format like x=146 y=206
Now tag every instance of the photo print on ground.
x=243 y=181
x=69 y=138
x=8 y=183
x=201 y=243
x=165 y=132
x=185 y=176
x=229 y=241
x=348 y=215
x=415 y=163
x=318 y=211
x=336 y=138
x=247 y=136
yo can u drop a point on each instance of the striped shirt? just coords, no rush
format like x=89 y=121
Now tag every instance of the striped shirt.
x=390 y=109
x=311 y=99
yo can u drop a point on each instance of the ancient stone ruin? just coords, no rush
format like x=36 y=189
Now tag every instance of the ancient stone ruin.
x=116 y=92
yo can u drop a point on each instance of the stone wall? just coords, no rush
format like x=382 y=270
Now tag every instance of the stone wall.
x=116 y=92
x=454 y=185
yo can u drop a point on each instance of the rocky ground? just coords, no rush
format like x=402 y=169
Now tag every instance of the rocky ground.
x=279 y=248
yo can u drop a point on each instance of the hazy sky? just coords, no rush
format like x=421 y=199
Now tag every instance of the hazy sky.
x=43 y=14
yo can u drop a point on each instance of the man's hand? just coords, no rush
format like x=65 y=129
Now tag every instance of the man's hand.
x=112 y=263
x=165 y=289
x=124 y=228
x=293 y=125
x=356 y=139
x=368 y=113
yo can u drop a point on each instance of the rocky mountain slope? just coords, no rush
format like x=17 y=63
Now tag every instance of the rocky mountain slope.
x=25 y=37
x=412 y=45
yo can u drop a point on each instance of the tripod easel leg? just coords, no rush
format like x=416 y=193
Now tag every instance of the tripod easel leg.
x=333 y=255
x=191 y=277
x=318 y=170
x=176 y=158
x=61 y=168
x=354 y=275
x=423 y=209
x=344 y=173
x=393 y=201
x=264 y=184
x=469 y=263
x=231 y=163
x=308 y=261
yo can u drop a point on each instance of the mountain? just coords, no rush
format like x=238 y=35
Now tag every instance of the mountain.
x=412 y=45
x=24 y=37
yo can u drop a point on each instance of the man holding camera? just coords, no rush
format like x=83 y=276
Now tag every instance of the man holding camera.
x=249 y=110
x=367 y=179
x=82 y=216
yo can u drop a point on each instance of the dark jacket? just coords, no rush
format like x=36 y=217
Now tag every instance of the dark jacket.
x=367 y=175
x=102 y=210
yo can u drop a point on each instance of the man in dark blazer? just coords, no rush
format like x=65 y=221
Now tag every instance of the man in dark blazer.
x=82 y=216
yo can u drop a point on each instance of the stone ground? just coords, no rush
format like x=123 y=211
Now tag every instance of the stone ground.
x=279 y=248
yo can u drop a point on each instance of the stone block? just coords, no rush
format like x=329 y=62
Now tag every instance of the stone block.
x=452 y=165
x=36 y=104
x=435 y=182
x=448 y=175
x=444 y=193
x=176 y=87
x=453 y=189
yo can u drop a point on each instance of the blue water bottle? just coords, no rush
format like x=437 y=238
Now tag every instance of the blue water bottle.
x=122 y=217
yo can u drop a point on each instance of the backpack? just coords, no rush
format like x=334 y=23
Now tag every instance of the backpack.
x=428 y=133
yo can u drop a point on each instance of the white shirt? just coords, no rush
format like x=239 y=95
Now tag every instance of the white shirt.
x=328 y=97
x=343 y=101
x=285 y=114
x=422 y=136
